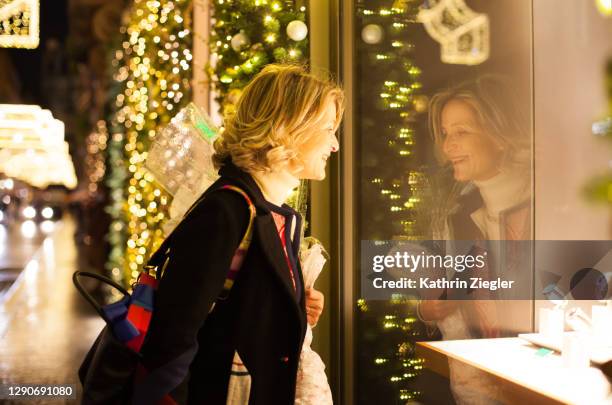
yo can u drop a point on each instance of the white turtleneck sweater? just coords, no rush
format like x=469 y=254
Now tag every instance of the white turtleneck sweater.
x=499 y=193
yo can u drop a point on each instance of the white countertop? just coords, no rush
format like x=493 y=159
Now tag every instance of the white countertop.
x=515 y=360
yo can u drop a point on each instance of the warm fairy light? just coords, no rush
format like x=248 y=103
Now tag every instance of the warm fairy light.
x=95 y=161
x=393 y=191
x=32 y=146
x=153 y=69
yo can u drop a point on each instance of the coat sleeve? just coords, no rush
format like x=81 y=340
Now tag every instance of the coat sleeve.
x=201 y=251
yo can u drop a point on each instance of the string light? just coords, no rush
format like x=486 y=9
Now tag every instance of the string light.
x=393 y=190
x=32 y=146
x=95 y=163
x=153 y=75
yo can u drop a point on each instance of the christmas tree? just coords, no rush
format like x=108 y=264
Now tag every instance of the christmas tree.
x=247 y=35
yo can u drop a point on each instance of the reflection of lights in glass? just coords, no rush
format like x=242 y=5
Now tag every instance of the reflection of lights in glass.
x=47 y=227
x=6 y=199
x=47 y=213
x=29 y=212
x=604 y=7
x=28 y=229
x=603 y=127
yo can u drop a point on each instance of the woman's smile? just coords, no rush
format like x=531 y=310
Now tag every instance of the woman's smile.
x=466 y=145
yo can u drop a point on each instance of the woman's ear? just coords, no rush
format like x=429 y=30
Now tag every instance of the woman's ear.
x=295 y=165
x=290 y=161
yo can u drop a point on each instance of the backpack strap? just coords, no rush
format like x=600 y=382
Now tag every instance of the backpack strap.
x=158 y=262
x=242 y=249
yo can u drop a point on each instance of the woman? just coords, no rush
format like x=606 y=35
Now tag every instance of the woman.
x=479 y=131
x=283 y=131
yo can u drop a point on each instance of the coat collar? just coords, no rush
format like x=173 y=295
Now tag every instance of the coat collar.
x=469 y=201
x=244 y=180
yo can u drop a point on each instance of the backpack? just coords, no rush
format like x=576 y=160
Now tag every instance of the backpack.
x=112 y=369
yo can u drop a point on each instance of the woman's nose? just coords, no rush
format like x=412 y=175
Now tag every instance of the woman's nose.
x=448 y=145
x=335 y=146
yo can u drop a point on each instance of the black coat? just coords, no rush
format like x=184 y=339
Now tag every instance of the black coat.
x=262 y=318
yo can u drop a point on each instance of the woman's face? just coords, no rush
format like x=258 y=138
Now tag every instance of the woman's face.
x=313 y=153
x=466 y=145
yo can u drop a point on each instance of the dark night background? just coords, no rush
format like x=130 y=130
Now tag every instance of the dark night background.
x=28 y=62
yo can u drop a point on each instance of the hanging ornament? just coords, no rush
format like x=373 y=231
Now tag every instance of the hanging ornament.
x=462 y=33
x=19 y=24
x=372 y=34
x=297 y=30
x=239 y=41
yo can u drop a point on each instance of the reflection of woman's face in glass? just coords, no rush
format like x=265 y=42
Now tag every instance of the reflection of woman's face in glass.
x=466 y=145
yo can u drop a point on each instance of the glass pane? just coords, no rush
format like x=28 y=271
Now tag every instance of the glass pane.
x=572 y=47
x=443 y=114
x=573 y=110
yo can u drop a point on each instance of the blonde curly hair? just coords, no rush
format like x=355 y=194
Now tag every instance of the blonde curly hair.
x=274 y=117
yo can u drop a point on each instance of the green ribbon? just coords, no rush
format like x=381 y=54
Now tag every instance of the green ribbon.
x=205 y=130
